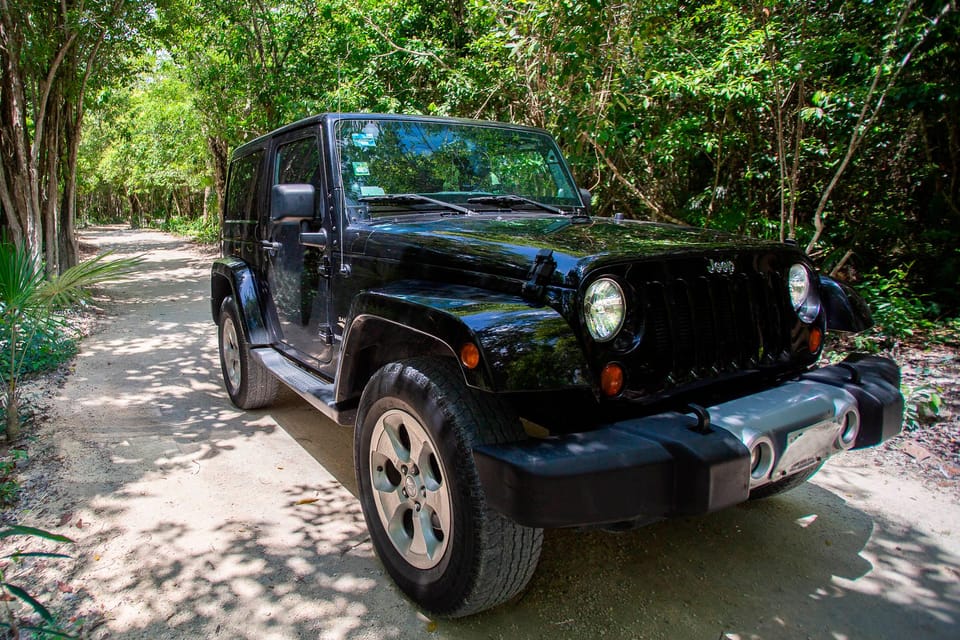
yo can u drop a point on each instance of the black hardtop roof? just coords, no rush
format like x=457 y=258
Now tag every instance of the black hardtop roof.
x=262 y=141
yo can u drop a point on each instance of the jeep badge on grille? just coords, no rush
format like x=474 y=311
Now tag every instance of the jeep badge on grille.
x=720 y=266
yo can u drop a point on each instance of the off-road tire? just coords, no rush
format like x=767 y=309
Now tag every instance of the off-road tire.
x=487 y=559
x=792 y=482
x=249 y=384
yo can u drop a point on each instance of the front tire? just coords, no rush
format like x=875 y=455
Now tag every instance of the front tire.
x=249 y=384
x=420 y=491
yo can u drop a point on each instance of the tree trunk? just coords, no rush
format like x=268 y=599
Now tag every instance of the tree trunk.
x=51 y=221
x=219 y=151
x=69 y=248
x=20 y=191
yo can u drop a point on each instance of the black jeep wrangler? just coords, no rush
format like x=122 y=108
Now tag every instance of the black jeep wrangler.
x=509 y=362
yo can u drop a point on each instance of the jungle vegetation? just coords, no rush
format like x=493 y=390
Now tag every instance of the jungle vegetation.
x=835 y=123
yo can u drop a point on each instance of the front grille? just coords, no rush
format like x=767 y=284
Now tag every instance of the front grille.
x=693 y=325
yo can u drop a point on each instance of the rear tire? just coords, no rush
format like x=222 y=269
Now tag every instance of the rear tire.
x=249 y=384
x=417 y=424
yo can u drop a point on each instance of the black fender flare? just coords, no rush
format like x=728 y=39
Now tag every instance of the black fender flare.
x=234 y=277
x=523 y=346
x=844 y=309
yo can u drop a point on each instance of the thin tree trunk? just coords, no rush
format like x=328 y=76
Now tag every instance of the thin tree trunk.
x=50 y=218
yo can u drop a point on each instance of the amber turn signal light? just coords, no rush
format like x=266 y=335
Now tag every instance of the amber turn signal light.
x=611 y=379
x=470 y=355
x=815 y=340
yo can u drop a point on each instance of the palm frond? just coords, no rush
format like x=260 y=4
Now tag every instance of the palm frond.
x=73 y=285
x=21 y=277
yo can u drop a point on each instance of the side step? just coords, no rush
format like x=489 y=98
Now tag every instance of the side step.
x=313 y=389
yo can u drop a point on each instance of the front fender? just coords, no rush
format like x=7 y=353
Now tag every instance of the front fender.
x=523 y=347
x=232 y=276
x=845 y=310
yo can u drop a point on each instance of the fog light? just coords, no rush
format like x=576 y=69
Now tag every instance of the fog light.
x=761 y=460
x=851 y=429
x=611 y=380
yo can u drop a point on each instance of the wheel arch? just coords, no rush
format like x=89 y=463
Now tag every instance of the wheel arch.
x=523 y=347
x=845 y=310
x=233 y=277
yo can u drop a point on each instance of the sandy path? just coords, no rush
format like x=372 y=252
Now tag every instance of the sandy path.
x=191 y=527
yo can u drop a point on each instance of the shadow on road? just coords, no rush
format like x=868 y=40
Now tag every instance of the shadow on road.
x=212 y=522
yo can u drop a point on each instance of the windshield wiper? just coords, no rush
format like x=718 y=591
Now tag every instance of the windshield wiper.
x=414 y=198
x=512 y=202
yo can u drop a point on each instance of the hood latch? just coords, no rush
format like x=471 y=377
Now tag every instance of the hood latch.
x=539 y=276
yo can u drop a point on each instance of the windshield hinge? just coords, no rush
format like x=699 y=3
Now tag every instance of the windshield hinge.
x=540 y=273
x=323 y=269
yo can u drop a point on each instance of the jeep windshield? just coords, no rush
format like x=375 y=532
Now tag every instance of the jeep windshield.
x=386 y=163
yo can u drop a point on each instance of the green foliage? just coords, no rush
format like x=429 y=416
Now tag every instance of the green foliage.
x=898 y=312
x=48 y=626
x=9 y=487
x=715 y=114
x=44 y=344
x=28 y=303
x=922 y=406
x=197 y=229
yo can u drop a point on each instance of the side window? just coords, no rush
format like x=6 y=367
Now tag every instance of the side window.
x=242 y=187
x=298 y=162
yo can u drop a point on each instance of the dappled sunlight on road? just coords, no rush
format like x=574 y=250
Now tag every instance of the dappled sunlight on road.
x=198 y=520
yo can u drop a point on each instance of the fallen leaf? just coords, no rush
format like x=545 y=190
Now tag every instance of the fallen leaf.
x=949 y=471
x=65 y=518
x=432 y=626
x=306 y=501
x=79 y=524
x=915 y=451
x=64 y=587
x=96 y=557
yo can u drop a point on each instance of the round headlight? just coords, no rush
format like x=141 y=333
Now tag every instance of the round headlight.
x=604 y=309
x=803 y=295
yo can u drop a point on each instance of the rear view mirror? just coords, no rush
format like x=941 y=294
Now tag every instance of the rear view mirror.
x=292 y=202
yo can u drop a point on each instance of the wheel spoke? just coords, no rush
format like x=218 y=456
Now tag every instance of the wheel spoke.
x=392 y=422
x=425 y=541
x=438 y=502
x=397 y=530
x=391 y=503
x=381 y=469
x=419 y=447
x=386 y=451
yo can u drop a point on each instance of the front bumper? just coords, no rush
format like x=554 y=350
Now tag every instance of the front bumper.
x=673 y=464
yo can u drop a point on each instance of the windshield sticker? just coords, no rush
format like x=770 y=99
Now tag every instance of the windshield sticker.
x=361 y=169
x=372 y=191
x=365 y=140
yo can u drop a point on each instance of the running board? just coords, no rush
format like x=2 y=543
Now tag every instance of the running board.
x=313 y=389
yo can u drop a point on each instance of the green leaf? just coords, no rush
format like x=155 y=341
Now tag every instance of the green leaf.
x=35 y=554
x=26 y=597
x=18 y=530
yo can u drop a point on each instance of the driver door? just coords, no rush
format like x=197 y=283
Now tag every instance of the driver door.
x=297 y=274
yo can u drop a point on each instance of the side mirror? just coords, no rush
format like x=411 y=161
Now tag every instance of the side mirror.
x=586 y=197
x=292 y=202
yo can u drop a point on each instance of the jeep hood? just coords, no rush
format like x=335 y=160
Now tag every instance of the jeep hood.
x=507 y=246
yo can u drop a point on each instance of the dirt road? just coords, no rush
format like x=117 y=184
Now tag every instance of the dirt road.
x=190 y=519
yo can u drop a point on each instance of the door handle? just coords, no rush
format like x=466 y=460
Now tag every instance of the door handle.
x=269 y=247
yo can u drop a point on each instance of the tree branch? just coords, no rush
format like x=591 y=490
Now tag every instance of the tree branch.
x=654 y=207
x=863 y=121
x=398 y=48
